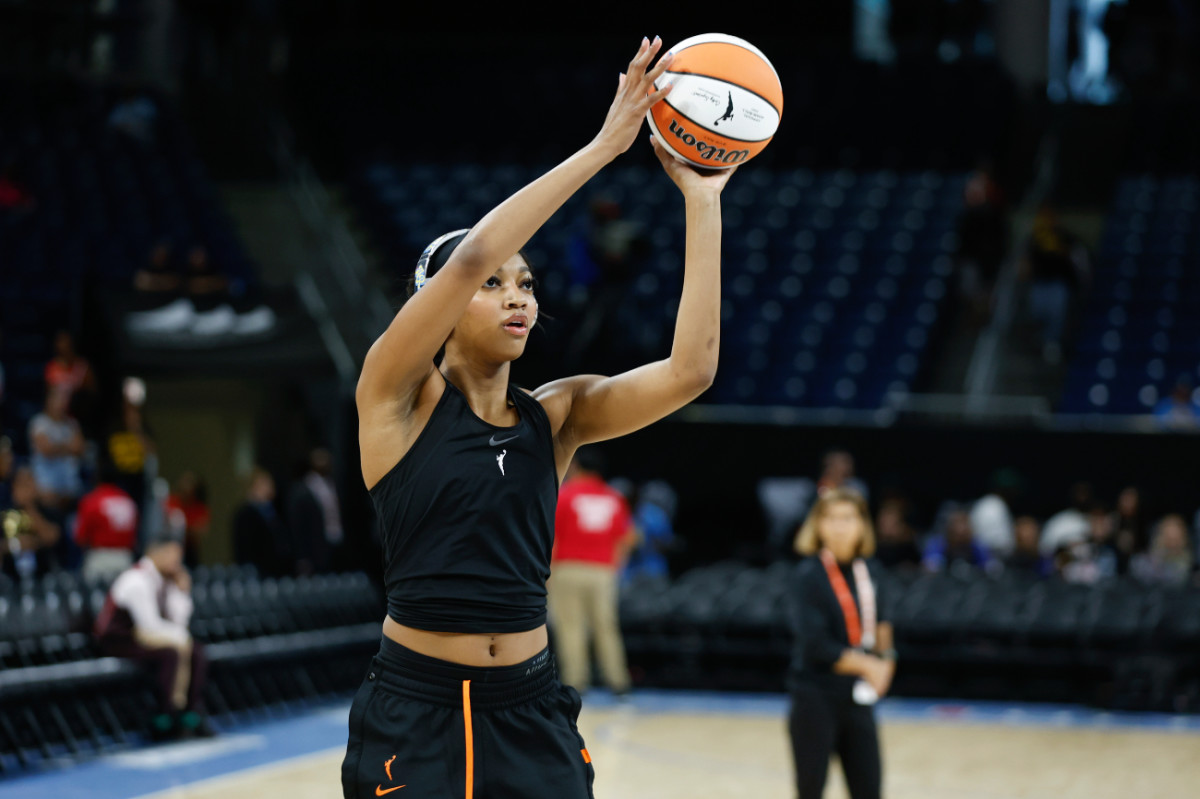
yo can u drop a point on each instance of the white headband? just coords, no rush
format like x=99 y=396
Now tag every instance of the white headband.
x=427 y=256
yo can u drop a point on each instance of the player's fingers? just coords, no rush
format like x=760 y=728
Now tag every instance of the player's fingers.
x=642 y=48
x=660 y=67
x=646 y=55
x=658 y=94
x=620 y=81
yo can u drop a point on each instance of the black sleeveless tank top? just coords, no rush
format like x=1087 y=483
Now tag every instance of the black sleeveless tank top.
x=467 y=521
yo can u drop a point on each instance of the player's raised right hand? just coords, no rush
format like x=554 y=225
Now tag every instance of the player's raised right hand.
x=635 y=96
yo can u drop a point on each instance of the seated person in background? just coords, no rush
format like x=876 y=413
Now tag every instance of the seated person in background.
x=145 y=618
x=1129 y=531
x=27 y=534
x=1179 y=409
x=158 y=280
x=1070 y=525
x=130 y=445
x=106 y=527
x=1027 y=557
x=57 y=443
x=1169 y=561
x=956 y=548
x=258 y=535
x=1095 y=559
x=838 y=472
x=897 y=542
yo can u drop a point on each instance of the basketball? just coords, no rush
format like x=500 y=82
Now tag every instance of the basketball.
x=725 y=105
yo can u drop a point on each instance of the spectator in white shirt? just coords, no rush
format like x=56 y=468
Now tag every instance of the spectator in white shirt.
x=145 y=618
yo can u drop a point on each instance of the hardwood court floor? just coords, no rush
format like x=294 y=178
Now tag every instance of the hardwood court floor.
x=699 y=754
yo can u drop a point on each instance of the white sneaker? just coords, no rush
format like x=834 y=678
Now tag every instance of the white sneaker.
x=260 y=320
x=172 y=317
x=216 y=322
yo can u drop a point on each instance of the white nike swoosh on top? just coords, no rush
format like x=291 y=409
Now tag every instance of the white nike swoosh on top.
x=493 y=441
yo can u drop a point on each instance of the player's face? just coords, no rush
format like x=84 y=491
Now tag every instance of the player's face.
x=841 y=529
x=497 y=322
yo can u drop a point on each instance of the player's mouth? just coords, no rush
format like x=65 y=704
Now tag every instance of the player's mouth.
x=517 y=324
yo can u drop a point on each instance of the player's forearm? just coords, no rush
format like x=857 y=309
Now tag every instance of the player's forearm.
x=698 y=326
x=509 y=226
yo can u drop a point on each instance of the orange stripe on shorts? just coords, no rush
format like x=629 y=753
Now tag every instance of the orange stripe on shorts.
x=470 y=739
x=586 y=757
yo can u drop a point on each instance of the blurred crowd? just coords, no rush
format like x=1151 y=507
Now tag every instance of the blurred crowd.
x=1092 y=538
x=83 y=490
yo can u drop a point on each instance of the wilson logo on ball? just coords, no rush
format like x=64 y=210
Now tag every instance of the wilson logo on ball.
x=725 y=104
x=708 y=152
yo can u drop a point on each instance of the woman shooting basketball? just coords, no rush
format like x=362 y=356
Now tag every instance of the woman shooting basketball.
x=464 y=470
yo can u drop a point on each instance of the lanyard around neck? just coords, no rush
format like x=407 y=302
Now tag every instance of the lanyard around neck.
x=860 y=632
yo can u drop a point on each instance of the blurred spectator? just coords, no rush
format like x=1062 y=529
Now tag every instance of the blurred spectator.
x=106 y=527
x=956 y=547
x=13 y=195
x=1055 y=266
x=843 y=657
x=135 y=116
x=314 y=517
x=29 y=533
x=73 y=374
x=897 y=541
x=1170 y=559
x=1129 y=530
x=57 y=444
x=130 y=445
x=991 y=517
x=653 y=512
x=190 y=497
x=8 y=463
x=602 y=256
x=158 y=280
x=1088 y=562
x=1069 y=526
x=1026 y=557
x=837 y=472
x=145 y=618
x=982 y=242
x=593 y=532
x=258 y=535
x=1 y=380
x=1179 y=409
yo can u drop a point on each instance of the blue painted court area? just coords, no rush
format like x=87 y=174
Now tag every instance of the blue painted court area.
x=138 y=772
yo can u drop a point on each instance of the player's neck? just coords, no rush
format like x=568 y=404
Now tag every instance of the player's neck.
x=485 y=387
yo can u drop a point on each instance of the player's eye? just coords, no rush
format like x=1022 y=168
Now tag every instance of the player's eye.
x=492 y=282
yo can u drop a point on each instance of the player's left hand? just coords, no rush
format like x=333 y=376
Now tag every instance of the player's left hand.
x=689 y=179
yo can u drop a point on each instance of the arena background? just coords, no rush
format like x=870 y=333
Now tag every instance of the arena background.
x=313 y=147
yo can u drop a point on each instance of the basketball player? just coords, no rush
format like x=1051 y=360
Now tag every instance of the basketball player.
x=464 y=470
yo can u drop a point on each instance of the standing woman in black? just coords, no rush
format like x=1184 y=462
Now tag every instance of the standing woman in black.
x=463 y=469
x=842 y=656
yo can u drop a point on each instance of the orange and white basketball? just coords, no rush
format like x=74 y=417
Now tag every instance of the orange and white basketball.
x=725 y=105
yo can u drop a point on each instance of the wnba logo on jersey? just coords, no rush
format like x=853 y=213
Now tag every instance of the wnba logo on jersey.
x=500 y=460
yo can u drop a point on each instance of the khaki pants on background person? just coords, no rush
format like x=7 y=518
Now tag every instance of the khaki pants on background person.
x=582 y=603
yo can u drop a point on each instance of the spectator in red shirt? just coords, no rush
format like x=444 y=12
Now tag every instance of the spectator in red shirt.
x=190 y=498
x=593 y=533
x=106 y=527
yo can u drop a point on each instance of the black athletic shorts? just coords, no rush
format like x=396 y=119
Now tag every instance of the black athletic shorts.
x=442 y=730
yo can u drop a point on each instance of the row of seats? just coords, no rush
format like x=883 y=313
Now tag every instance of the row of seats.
x=1119 y=644
x=274 y=646
x=1139 y=333
x=833 y=282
